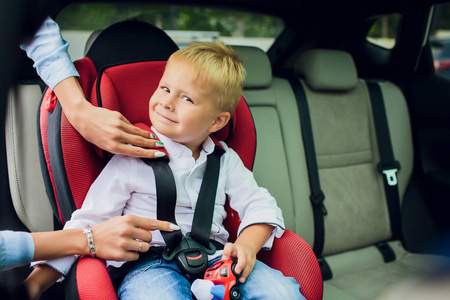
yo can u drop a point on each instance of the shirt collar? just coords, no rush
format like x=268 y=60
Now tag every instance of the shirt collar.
x=176 y=149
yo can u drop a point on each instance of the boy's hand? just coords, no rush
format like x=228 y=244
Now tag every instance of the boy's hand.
x=246 y=259
x=246 y=247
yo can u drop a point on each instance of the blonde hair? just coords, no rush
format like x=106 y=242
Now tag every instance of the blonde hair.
x=219 y=66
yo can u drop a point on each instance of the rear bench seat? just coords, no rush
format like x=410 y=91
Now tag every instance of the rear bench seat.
x=347 y=156
x=280 y=164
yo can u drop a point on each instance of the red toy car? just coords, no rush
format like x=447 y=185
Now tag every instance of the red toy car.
x=225 y=282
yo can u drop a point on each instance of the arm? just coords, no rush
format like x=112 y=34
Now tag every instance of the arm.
x=254 y=204
x=108 y=130
x=261 y=218
x=115 y=239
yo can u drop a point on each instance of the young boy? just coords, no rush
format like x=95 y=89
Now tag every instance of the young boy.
x=196 y=96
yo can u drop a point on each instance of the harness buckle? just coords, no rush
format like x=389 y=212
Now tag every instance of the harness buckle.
x=190 y=256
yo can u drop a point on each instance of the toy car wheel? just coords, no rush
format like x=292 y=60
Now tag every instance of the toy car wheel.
x=235 y=293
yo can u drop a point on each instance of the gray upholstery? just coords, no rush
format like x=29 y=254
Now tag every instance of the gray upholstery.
x=257 y=66
x=280 y=164
x=327 y=70
x=25 y=178
x=347 y=156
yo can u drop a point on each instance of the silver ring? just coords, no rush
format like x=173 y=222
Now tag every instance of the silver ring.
x=140 y=246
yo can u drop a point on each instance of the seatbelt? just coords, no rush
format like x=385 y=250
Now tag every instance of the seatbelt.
x=317 y=196
x=204 y=210
x=190 y=251
x=388 y=166
x=165 y=189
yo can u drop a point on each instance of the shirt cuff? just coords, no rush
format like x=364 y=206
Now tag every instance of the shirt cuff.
x=16 y=248
x=57 y=71
x=276 y=221
x=60 y=265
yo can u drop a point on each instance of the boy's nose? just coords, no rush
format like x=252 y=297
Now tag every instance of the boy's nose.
x=167 y=104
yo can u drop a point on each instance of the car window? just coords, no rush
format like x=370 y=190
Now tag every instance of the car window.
x=384 y=30
x=183 y=24
x=440 y=39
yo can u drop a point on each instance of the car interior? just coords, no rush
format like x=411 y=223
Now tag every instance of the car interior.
x=351 y=108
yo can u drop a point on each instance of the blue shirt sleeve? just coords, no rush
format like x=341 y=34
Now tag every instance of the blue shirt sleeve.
x=48 y=50
x=16 y=248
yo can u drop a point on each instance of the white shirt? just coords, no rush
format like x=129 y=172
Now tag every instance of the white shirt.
x=127 y=186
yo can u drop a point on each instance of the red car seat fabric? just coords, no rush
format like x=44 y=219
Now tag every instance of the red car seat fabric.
x=125 y=83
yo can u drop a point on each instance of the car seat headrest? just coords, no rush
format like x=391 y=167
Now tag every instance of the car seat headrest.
x=327 y=70
x=130 y=41
x=91 y=40
x=257 y=66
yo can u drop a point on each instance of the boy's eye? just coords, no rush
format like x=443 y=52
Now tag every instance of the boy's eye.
x=165 y=89
x=187 y=99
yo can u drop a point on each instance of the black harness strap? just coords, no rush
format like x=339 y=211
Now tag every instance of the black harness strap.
x=204 y=210
x=191 y=250
x=166 y=195
x=317 y=196
x=388 y=166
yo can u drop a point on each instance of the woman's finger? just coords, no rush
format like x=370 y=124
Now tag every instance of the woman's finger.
x=121 y=148
x=152 y=224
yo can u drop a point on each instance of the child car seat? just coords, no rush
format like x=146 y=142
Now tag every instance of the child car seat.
x=120 y=72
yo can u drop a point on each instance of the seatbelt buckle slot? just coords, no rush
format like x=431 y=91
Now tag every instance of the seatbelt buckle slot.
x=390 y=172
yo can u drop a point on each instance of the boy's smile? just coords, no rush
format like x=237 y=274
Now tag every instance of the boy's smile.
x=182 y=107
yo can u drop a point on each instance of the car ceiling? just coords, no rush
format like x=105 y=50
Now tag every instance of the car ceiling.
x=292 y=9
x=327 y=23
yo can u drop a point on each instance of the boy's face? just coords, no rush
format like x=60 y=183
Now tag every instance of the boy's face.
x=183 y=109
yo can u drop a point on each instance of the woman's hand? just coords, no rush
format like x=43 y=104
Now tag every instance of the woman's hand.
x=112 y=132
x=120 y=237
x=107 y=129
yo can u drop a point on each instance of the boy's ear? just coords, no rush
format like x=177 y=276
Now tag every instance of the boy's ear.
x=220 y=121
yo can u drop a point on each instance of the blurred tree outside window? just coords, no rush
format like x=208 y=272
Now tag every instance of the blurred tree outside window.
x=184 y=24
x=384 y=30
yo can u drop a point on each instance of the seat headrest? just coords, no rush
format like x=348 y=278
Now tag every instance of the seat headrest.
x=91 y=40
x=327 y=70
x=257 y=66
x=130 y=41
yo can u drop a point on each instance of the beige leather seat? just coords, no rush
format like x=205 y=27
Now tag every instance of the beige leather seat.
x=280 y=164
x=347 y=158
x=25 y=178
